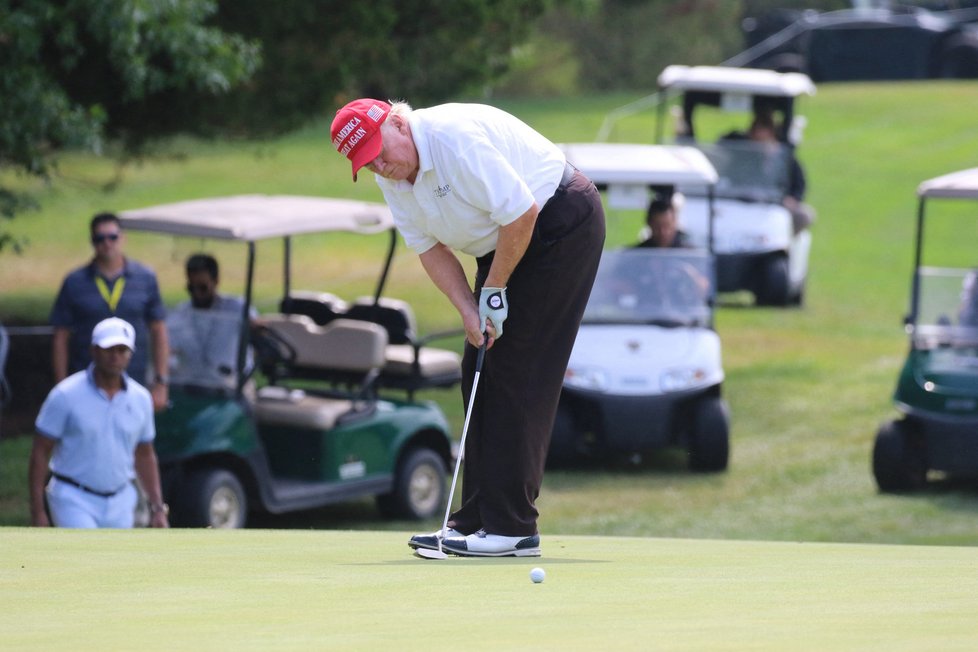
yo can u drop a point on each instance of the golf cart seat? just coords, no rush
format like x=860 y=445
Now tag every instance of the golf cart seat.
x=411 y=364
x=323 y=307
x=344 y=350
x=342 y=345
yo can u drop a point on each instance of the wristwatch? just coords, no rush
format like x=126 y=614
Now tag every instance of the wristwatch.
x=160 y=508
x=160 y=379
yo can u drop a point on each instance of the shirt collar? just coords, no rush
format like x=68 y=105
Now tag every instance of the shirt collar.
x=420 y=144
x=94 y=271
x=90 y=374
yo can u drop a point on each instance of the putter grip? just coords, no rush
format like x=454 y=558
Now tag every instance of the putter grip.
x=482 y=354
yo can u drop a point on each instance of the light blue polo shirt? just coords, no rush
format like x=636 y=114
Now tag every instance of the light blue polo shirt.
x=96 y=436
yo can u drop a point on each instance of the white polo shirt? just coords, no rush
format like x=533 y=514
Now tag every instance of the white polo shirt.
x=480 y=169
x=96 y=436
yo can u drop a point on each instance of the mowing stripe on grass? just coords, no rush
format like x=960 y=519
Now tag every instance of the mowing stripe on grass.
x=285 y=590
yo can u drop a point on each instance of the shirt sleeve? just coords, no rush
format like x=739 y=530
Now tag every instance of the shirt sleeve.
x=488 y=181
x=148 y=431
x=61 y=313
x=155 y=310
x=53 y=417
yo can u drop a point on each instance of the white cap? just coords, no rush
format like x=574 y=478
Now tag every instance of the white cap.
x=112 y=332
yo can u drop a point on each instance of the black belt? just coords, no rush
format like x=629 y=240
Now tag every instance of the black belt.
x=85 y=488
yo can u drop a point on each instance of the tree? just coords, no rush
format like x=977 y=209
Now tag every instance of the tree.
x=625 y=44
x=75 y=71
x=319 y=53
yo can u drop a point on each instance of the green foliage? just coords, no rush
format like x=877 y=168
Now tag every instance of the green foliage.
x=72 y=71
x=624 y=44
x=319 y=54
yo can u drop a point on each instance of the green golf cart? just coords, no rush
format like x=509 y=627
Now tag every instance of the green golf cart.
x=937 y=392
x=312 y=405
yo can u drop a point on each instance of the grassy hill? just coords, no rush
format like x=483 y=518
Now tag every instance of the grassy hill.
x=807 y=388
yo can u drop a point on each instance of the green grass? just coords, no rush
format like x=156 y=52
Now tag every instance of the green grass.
x=807 y=388
x=288 y=590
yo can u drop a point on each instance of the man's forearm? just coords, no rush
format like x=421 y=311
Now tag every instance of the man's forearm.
x=59 y=353
x=514 y=238
x=148 y=471
x=37 y=471
x=161 y=347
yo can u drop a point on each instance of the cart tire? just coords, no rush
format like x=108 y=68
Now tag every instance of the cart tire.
x=419 y=487
x=771 y=286
x=212 y=498
x=898 y=464
x=959 y=59
x=565 y=440
x=709 y=445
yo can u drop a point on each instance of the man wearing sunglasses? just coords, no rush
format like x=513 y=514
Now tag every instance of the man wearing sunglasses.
x=111 y=285
x=204 y=332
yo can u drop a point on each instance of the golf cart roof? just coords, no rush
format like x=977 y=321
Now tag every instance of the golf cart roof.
x=653 y=165
x=254 y=217
x=957 y=185
x=752 y=81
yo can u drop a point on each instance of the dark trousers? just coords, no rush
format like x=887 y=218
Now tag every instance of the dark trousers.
x=519 y=387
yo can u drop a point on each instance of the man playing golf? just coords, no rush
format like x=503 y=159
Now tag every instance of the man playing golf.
x=472 y=178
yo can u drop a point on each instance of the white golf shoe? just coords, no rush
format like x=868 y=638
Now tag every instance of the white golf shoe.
x=482 y=544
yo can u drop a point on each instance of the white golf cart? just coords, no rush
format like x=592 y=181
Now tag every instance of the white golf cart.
x=757 y=245
x=645 y=371
x=319 y=423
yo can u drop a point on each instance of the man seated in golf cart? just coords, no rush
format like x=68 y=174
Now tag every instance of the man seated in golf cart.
x=654 y=279
x=779 y=163
x=968 y=311
x=662 y=225
x=205 y=331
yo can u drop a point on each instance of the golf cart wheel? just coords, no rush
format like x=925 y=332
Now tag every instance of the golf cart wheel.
x=419 y=487
x=771 y=286
x=212 y=498
x=959 y=59
x=564 y=441
x=709 y=445
x=898 y=464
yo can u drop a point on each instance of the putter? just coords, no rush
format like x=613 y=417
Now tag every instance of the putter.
x=428 y=553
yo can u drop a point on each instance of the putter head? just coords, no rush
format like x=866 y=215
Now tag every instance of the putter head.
x=428 y=553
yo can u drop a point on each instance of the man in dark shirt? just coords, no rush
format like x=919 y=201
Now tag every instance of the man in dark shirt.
x=663 y=226
x=111 y=286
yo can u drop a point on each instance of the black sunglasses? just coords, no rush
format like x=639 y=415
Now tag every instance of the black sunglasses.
x=99 y=238
x=197 y=288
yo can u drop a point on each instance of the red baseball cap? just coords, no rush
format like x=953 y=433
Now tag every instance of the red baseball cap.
x=356 y=131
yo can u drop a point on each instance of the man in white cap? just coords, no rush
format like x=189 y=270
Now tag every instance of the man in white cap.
x=94 y=436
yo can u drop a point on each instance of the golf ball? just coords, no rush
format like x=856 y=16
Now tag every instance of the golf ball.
x=537 y=575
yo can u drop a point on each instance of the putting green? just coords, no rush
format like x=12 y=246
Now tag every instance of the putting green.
x=269 y=590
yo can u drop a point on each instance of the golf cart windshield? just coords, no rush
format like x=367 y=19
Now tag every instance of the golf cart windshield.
x=748 y=170
x=665 y=287
x=946 y=313
x=204 y=348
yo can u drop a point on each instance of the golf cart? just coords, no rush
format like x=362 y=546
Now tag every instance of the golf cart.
x=318 y=424
x=757 y=245
x=937 y=391
x=645 y=372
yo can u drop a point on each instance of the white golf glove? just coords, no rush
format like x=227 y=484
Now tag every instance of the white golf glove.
x=493 y=305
